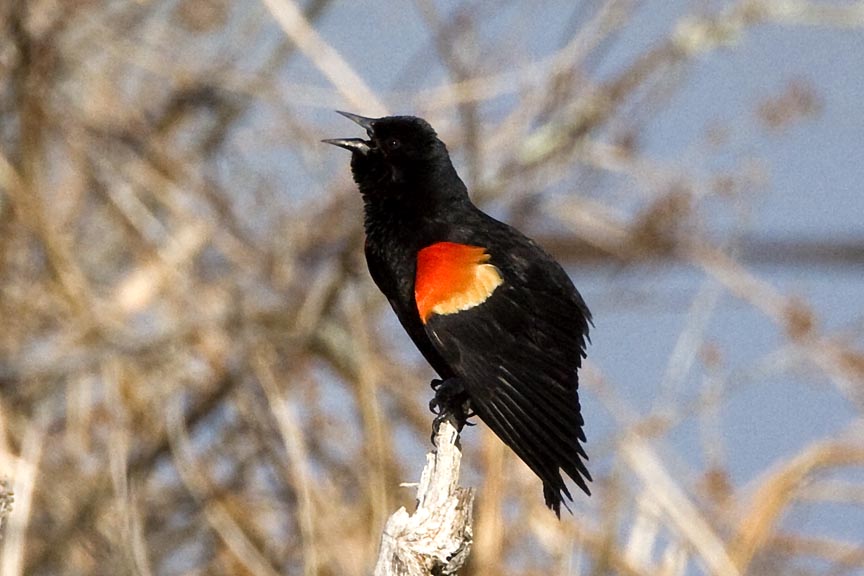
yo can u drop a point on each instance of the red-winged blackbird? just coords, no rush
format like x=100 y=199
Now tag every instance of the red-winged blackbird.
x=494 y=314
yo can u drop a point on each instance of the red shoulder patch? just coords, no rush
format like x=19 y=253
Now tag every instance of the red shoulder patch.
x=453 y=277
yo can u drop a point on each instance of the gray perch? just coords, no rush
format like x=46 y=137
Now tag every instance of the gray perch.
x=437 y=537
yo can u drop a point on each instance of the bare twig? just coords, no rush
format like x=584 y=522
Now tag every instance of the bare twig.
x=325 y=57
x=437 y=537
x=7 y=499
x=680 y=512
x=26 y=474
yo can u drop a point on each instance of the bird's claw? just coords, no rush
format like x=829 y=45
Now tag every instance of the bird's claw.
x=450 y=399
x=436 y=406
x=436 y=424
x=469 y=414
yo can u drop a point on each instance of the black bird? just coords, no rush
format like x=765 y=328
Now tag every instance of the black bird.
x=491 y=311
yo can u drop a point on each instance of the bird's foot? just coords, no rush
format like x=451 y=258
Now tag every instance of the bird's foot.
x=451 y=399
x=450 y=395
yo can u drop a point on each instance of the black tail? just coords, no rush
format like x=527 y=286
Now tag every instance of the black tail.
x=544 y=429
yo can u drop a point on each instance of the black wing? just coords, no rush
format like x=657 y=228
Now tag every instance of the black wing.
x=518 y=354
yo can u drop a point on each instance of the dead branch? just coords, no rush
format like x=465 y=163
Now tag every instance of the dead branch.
x=437 y=537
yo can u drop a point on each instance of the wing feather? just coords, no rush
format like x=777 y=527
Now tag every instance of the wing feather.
x=522 y=385
x=500 y=418
x=557 y=433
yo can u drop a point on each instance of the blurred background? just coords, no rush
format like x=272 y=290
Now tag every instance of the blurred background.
x=197 y=375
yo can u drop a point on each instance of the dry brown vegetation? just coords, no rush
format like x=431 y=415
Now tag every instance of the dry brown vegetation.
x=198 y=377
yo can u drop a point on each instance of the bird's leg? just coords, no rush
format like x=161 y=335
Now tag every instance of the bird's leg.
x=451 y=398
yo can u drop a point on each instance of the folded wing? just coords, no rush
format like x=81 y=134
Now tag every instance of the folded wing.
x=518 y=353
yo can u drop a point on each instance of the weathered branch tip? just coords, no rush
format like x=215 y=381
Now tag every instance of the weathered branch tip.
x=437 y=537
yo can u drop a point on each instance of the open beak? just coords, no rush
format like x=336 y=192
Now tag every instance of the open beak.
x=362 y=121
x=354 y=144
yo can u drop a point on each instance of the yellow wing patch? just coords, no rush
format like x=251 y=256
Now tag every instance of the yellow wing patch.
x=453 y=277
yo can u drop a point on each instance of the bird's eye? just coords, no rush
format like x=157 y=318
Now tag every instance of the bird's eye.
x=393 y=143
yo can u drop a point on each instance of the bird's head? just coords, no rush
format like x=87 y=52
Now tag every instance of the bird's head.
x=398 y=149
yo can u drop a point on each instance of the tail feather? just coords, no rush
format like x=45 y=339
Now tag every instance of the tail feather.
x=545 y=438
